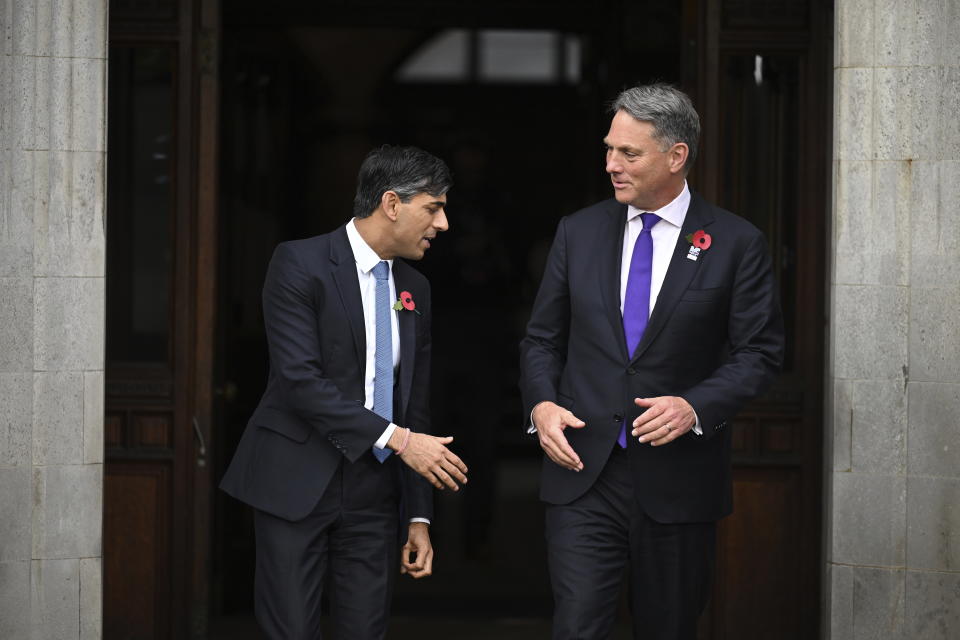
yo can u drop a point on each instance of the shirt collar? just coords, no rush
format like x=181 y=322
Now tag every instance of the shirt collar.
x=674 y=213
x=366 y=257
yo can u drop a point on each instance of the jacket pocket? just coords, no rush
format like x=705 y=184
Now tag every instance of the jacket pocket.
x=702 y=295
x=286 y=424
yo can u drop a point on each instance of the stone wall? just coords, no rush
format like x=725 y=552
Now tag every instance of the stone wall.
x=52 y=195
x=892 y=498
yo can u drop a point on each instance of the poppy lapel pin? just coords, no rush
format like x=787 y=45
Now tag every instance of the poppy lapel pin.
x=699 y=241
x=405 y=303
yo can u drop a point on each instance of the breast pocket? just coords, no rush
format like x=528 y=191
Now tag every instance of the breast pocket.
x=699 y=319
x=703 y=295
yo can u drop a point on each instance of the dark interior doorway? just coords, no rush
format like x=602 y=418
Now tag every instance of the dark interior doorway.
x=514 y=101
x=236 y=125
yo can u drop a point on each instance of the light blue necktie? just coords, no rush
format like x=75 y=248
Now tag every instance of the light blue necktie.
x=383 y=371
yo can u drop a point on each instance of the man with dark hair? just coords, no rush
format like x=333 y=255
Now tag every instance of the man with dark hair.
x=657 y=319
x=337 y=454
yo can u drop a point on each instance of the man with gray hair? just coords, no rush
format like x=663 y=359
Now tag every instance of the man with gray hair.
x=336 y=458
x=656 y=321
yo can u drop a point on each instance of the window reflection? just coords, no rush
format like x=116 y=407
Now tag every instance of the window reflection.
x=511 y=56
x=443 y=58
x=140 y=200
x=572 y=59
x=495 y=56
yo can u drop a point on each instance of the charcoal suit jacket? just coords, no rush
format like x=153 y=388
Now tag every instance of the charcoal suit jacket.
x=714 y=338
x=312 y=416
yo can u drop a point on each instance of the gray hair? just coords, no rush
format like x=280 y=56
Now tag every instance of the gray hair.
x=407 y=171
x=668 y=109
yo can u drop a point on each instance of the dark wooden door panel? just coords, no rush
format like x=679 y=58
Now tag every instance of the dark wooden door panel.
x=136 y=532
x=158 y=333
x=143 y=344
x=761 y=75
x=757 y=592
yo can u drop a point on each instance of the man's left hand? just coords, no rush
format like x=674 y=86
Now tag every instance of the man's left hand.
x=666 y=418
x=416 y=557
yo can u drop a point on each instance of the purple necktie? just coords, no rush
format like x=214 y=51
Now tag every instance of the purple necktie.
x=636 y=301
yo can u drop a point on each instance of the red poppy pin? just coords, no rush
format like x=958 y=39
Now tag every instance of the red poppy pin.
x=699 y=241
x=405 y=302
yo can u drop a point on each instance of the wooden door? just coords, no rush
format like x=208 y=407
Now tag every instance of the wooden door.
x=162 y=114
x=761 y=74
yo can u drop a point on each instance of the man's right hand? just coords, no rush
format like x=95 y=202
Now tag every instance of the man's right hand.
x=429 y=456
x=551 y=419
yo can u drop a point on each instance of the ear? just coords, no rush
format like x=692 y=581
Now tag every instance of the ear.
x=390 y=203
x=678 y=157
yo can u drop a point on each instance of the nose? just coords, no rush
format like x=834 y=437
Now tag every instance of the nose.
x=440 y=221
x=613 y=165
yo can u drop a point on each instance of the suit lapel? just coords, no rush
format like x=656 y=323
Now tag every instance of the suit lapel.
x=609 y=254
x=407 y=322
x=679 y=274
x=348 y=286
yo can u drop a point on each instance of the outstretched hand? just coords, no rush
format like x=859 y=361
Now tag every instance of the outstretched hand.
x=429 y=456
x=551 y=419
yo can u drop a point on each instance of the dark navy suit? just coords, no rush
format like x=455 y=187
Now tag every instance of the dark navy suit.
x=714 y=338
x=305 y=462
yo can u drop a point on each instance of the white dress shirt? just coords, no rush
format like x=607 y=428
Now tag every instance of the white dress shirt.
x=664 y=235
x=367 y=259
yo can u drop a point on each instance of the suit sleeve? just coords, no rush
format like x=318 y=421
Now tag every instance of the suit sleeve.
x=294 y=341
x=755 y=339
x=419 y=492
x=543 y=350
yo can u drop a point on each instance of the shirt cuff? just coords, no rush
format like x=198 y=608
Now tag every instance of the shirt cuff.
x=532 y=429
x=382 y=441
x=423 y=520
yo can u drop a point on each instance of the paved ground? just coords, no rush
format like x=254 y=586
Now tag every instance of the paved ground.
x=244 y=628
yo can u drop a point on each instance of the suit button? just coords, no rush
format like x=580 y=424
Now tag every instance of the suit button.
x=617 y=417
x=631 y=371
